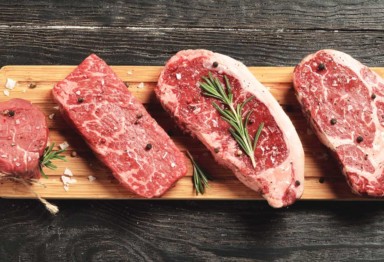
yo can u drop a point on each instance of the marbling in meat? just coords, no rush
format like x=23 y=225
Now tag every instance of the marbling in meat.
x=118 y=129
x=279 y=172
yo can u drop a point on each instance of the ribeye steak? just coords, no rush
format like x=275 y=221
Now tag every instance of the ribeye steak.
x=23 y=138
x=344 y=102
x=118 y=129
x=279 y=171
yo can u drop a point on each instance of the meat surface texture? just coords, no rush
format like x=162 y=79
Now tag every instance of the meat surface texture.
x=118 y=129
x=279 y=171
x=344 y=102
x=23 y=138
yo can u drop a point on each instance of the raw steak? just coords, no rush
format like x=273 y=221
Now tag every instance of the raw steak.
x=118 y=129
x=23 y=138
x=344 y=102
x=278 y=175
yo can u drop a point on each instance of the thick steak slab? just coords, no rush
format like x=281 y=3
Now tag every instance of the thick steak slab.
x=344 y=102
x=23 y=138
x=279 y=154
x=118 y=129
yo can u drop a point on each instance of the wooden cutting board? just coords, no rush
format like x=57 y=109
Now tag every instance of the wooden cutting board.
x=323 y=179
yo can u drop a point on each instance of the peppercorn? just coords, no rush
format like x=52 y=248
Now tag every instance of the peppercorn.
x=297 y=183
x=216 y=150
x=333 y=121
x=215 y=64
x=373 y=96
x=321 y=67
x=32 y=85
x=359 y=139
x=73 y=154
x=148 y=147
x=80 y=100
x=11 y=113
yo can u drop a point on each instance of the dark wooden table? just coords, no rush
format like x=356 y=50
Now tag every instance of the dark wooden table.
x=258 y=33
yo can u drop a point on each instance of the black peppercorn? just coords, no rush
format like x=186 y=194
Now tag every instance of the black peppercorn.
x=297 y=183
x=80 y=100
x=373 y=96
x=11 y=113
x=216 y=150
x=321 y=67
x=333 y=121
x=215 y=64
x=359 y=139
x=148 y=147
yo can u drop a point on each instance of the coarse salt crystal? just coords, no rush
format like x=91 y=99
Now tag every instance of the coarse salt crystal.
x=51 y=116
x=141 y=85
x=130 y=72
x=6 y=92
x=64 y=145
x=178 y=76
x=66 y=188
x=68 y=172
x=173 y=164
x=67 y=180
x=17 y=121
x=78 y=92
x=10 y=84
x=91 y=178
x=56 y=107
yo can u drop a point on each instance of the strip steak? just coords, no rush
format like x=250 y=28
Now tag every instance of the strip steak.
x=344 y=102
x=23 y=138
x=278 y=175
x=118 y=129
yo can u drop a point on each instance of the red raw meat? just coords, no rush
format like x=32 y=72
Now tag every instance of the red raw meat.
x=23 y=138
x=118 y=129
x=279 y=173
x=344 y=102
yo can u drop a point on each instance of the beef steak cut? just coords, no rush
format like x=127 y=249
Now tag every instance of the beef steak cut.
x=118 y=129
x=344 y=102
x=278 y=175
x=23 y=138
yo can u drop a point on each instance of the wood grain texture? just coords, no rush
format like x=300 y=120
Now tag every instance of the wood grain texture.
x=230 y=14
x=323 y=179
x=190 y=231
x=135 y=46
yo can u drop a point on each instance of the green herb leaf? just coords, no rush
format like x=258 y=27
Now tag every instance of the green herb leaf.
x=200 y=179
x=48 y=156
x=212 y=87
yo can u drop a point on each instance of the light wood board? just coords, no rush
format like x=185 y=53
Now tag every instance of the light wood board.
x=323 y=179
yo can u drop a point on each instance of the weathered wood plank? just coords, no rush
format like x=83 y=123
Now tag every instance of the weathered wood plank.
x=230 y=14
x=122 y=46
x=191 y=230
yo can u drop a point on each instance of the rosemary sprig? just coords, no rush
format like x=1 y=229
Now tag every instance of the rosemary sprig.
x=48 y=156
x=200 y=179
x=232 y=114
